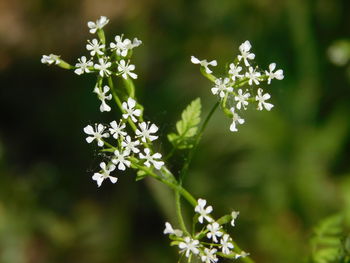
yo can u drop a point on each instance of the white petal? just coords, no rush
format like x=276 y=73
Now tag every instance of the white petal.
x=195 y=60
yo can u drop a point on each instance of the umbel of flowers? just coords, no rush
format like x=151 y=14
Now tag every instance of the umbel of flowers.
x=129 y=142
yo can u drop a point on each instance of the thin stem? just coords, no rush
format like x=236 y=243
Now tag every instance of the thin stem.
x=179 y=212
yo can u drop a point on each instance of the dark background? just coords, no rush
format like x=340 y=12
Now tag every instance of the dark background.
x=285 y=170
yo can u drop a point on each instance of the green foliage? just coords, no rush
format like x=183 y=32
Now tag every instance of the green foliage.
x=187 y=127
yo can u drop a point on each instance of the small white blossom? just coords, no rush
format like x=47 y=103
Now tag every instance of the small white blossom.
x=221 y=87
x=242 y=99
x=104 y=174
x=243 y=254
x=99 y=24
x=253 y=76
x=145 y=131
x=278 y=74
x=103 y=97
x=234 y=216
x=123 y=46
x=120 y=159
x=95 y=47
x=204 y=63
x=244 y=48
x=117 y=129
x=234 y=71
x=126 y=69
x=169 y=230
x=235 y=118
x=261 y=98
x=226 y=244
x=209 y=255
x=130 y=146
x=214 y=231
x=203 y=211
x=130 y=111
x=96 y=134
x=189 y=246
x=103 y=67
x=50 y=59
x=83 y=65
x=151 y=159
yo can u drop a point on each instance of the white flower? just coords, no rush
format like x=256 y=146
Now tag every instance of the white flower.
x=204 y=212
x=204 y=63
x=125 y=69
x=123 y=46
x=245 y=54
x=99 y=24
x=242 y=99
x=189 y=246
x=209 y=255
x=234 y=216
x=102 y=97
x=96 y=134
x=253 y=76
x=130 y=111
x=130 y=146
x=235 y=118
x=243 y=254
x=261 y=98
x=104 y=174
x=103 y=67
x=226 y=245
x=120 y=158
x=214 y=231
x=117 y=129
x=146 y=130
x=82 y=65
x=221 y=87
x=95 y=47
x=50 y=59
x=274 y=75
x=151 y=159
x=234 y=71
x=169 y=230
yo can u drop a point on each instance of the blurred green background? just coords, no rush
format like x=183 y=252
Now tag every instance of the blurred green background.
x=285 y=170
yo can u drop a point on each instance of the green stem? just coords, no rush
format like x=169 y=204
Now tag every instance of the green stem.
x=179 y=212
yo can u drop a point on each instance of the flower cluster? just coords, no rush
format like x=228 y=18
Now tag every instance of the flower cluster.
x=230 y=89
x=212 y=241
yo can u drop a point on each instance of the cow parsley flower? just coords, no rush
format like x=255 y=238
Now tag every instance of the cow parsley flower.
x=120 y=159
x=253 y=76
x=278 y=74
x=97 y=134
x=130 y=146
x=130 y=112
x=126 y=69
x=103 y=97
x=104 y=174
x=244 y=48
x=235 y=119
x=204 y=63
x=214 y=231
x=234 y=71
x=169 y=230
x=145 y=131
x=122 y=47
x=95 y=47
x=221 y=87
x=103 y=67
x=152 y=159
x=242 y=99
x=189 y=246
x=203 y=211
x=234 y=216
x=116 y=130
x=83 y=65
x=209 y=255
x=226 y=244
x=50 y=59
x=99 y=24
x=261 y=98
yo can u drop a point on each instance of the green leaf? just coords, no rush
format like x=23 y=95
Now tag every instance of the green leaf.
x=140 y=175
x=187 y=127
